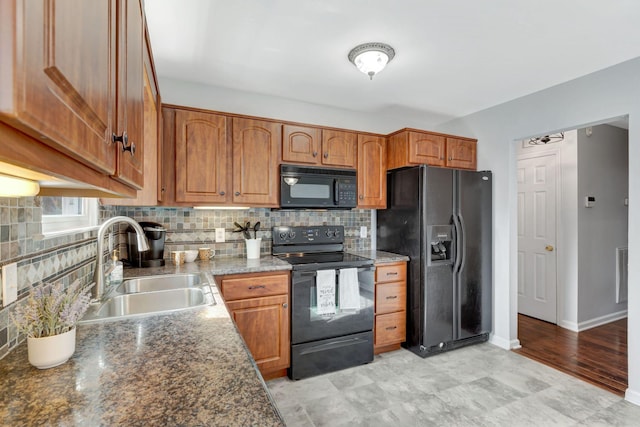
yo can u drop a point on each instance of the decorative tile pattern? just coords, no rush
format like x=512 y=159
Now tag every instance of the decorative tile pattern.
x=188 y=228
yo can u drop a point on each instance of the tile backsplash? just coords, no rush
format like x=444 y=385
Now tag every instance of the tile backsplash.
x=189 y=228
x=68 y=257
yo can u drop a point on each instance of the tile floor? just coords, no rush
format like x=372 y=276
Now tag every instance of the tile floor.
x=480 y=385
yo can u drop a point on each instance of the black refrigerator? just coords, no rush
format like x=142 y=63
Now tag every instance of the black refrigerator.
x=441 y=219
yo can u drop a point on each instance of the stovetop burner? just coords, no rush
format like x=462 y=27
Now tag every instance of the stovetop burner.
x=314 y=248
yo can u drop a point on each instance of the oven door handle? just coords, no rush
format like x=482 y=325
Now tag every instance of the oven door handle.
x=344 y=342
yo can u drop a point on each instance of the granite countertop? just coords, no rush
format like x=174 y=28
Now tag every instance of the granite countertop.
x=217 y=266
x=184 y=368
x=381 y=257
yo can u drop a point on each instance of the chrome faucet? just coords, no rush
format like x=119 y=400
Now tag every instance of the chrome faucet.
x=98 y=276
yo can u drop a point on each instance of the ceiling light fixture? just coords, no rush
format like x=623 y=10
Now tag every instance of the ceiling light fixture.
x=11 y=186
x=547 y=139
x=371 y=58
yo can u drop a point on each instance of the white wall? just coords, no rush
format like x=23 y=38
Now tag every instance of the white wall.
x=602 y=173
x=386 y=120
x=613 y=92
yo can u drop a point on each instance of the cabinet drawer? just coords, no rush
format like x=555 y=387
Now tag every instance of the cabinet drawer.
x=390 y=297
x=391 y=272
x=253 y=287
x=390 y=328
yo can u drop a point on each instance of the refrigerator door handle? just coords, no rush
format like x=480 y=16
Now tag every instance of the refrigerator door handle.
x=458 y=242
x=462 y=248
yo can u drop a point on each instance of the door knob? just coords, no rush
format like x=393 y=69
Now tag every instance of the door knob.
x=549 y=248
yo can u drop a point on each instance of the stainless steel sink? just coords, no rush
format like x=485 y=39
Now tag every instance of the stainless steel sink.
x=159 y=283
x=153 y=295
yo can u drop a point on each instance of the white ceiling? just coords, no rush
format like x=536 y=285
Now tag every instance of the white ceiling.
x=452 y=57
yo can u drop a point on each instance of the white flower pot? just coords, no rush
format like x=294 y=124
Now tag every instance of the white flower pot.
x=48 y=352
x=253 y=248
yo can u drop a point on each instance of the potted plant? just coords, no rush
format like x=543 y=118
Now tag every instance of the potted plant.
x=48 y=318
x=253 y=245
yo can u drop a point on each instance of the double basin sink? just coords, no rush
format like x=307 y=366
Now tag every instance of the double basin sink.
x=153 y=294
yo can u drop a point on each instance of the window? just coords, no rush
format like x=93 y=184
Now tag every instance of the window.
x=61 y=214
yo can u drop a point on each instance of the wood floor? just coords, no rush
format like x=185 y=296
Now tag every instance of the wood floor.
x=597 y=355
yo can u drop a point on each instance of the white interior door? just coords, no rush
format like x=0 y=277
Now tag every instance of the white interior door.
x=537 y=236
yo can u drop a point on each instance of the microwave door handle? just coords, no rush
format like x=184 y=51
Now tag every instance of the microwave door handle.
x=336 y=192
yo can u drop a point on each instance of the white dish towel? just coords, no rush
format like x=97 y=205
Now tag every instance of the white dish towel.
x=349 y=290
x=326 y=291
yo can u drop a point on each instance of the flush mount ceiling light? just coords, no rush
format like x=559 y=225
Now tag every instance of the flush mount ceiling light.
x=11 y=186
x=547 y=139
x=371 y=58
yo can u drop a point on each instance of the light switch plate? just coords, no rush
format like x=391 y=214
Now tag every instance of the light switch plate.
x=9 y=283
x=363 y=232
x=219 y=235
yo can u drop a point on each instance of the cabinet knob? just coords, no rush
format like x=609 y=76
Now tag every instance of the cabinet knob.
x=441 y=157
x=237 y=193
x=222 y=193
x=315 y=154
x=450 y=158
x=124 y=140
x=326 y=155
x=361 y=197
x=285 y=305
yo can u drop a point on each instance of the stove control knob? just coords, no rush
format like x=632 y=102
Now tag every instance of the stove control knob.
x=336 y=233
x=328 y=233
x=292 y=234
x=283 y=235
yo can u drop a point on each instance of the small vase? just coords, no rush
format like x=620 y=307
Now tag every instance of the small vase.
x=47 y=352
x=253 y=248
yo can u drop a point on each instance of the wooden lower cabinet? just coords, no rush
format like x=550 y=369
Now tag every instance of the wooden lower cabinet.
x=259 y=306
x=390 y=306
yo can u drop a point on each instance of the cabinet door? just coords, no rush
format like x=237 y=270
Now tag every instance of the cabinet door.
x=372 y=173
x=461 y=154
x=427 y=149
x=256 y=144
x=264 y=326
x=300 y=144
x=201 y=157
x=130 y=100
x=339 y=148
x=61 y=86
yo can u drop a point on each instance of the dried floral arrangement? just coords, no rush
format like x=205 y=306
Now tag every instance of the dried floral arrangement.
x=245 y=229
x=51 y=310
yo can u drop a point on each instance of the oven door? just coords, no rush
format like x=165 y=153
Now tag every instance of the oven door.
x=307 y=325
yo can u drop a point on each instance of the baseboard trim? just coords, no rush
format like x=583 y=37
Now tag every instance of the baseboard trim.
x=504 y=343
x=632 y=396
x=602 y=320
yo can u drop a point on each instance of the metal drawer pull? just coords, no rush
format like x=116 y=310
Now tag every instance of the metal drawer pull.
x=257 y=287
x=392 y=297
x=392 y=273
x=391 y=328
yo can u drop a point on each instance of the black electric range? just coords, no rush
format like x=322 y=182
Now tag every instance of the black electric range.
x=324 y=341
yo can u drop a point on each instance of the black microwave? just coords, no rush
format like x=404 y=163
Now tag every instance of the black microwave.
x=317 y=188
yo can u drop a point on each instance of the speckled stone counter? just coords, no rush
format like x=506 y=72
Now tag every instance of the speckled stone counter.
x=381 y=257
x=186 y=368
x=216 y=266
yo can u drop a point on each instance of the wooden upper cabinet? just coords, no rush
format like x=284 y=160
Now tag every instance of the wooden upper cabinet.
x=314 y=146
x=201 y=157
x=130 y=95
x=410 y=147
x=461 y=153
x=256 y=145
x=425 y=148
x=339 y=148
x=300 y=144
x=372 y=176
x=62 y=88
